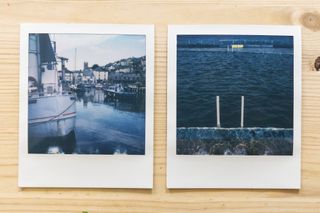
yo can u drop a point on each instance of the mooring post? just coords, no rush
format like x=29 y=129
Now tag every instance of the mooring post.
x=242 y=111
x=218 y=111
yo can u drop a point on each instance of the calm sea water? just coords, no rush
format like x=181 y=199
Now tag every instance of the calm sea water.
x=102 y=127
x=264 y=76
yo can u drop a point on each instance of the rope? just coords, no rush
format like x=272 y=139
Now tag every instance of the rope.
x=54 y=117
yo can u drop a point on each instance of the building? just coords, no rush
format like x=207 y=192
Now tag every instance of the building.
x=125 y=77
x=68 y=75
x=123 y=63
x=124 y=70
x=77 y=77
x=88 y=76
x=130 y=70
x=100 y=74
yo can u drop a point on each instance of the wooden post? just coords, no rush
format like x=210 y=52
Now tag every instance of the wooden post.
x=242 y=111
x=218 y=111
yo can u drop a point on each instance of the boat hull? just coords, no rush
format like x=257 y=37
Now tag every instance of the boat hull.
x=50 y=116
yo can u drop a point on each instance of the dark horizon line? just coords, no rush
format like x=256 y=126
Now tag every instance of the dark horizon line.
x=225 y=46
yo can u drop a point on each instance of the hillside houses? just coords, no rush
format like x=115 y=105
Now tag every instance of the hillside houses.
x=130 y=70
x=127 y=70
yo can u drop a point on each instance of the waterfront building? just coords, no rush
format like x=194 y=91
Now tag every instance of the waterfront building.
x=125 y=77
x=68 y=75
x=100 y=74
x=88 y=76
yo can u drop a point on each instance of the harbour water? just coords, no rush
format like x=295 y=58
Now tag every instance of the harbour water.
x=263 y=76
x=262 y=73
x=102 y=126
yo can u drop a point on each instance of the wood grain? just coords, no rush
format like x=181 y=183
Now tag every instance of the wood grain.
x=161 y=13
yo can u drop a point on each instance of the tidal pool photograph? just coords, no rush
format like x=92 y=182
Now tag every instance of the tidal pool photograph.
x=235 y=95
x=86 y=94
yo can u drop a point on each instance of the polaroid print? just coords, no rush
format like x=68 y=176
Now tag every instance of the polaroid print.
x=86 y=113
x=234 y=96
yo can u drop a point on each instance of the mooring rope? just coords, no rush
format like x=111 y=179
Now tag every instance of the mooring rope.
x=54 y=117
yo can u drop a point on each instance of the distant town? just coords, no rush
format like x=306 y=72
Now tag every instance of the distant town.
x=130 y=70
x=122 y=78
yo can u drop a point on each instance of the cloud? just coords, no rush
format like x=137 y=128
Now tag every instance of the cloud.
x=72 y=41
x=98 y=49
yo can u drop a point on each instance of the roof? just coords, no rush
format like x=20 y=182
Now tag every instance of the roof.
x=47 y=54
x=87 y=72
x=99 y=69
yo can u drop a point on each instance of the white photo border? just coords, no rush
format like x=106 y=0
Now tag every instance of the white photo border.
x=214 y=171
x=86 y=171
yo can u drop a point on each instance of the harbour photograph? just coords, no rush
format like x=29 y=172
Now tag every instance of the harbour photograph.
x=86 y=93
x=235 y=94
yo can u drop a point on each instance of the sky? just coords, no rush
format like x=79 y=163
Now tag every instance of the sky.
x=97 y=49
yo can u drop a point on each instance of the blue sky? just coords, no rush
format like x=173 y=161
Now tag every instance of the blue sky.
x=98 y=49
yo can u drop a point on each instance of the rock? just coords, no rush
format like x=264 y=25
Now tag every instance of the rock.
x=240 y=149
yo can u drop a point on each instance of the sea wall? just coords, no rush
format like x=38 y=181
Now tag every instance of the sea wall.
x=234 y=141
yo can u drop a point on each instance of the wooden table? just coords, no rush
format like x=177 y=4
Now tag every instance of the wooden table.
x=161 y=13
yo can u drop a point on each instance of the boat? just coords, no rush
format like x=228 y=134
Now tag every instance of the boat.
x=80 y=88
x=51 y=111
x=73 y=87
x=237 y=46
x=88 y=85
x=118 y=91
x=98 y=86
x=234 y=47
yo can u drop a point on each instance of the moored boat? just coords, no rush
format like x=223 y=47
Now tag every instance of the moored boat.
x=51 y=111
x=118 y=91
x=80 y=88
x=98 y=86
x=73 y=87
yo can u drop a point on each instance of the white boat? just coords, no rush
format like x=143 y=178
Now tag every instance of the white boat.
x=98 y=86
x=51 y=116
x=116 y=88
x=73 y=87
x=118 y=91
x=51 y=113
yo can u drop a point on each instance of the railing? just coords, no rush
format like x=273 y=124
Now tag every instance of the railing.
x=218 y=111
x=242 y=111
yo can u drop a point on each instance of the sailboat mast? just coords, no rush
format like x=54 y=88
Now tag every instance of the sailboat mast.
x=75 y=59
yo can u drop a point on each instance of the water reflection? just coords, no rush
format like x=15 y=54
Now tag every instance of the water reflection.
x=103 y=126
x=53 y=145
x=98 y=96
